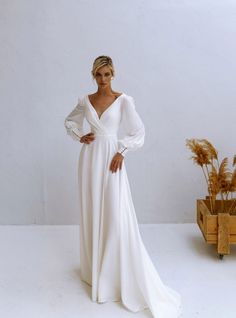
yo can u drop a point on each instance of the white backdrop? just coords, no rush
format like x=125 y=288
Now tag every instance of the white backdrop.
x=176 y=58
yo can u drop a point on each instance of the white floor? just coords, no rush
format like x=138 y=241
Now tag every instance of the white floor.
x=39 y=273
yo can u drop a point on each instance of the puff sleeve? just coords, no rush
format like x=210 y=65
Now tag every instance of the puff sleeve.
x=133 y=127
x=74 y=121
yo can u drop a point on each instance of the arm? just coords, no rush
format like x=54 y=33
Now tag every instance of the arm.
x=74 y=122
x=133 y=127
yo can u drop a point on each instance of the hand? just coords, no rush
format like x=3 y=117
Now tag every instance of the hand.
x=116 y=162
x=87 y=138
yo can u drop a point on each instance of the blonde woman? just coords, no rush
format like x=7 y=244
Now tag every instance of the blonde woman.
x=113 y=258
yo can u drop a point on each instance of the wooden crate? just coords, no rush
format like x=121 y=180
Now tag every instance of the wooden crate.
x=218 y=228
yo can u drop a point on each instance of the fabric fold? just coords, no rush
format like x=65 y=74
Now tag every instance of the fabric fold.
x=74 y=121
x=133 y=127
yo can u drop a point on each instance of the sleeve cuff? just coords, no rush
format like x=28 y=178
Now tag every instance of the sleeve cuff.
x=123 y=151
x=76 y=132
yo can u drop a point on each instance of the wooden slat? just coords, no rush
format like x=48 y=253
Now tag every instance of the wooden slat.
x=232 y=225
x=211 y=224
x=223 y=246
x=212 y=238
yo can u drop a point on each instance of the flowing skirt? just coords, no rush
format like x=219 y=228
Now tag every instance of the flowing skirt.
x=113 y=258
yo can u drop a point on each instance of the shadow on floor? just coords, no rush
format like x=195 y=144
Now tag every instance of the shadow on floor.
x=203 y=249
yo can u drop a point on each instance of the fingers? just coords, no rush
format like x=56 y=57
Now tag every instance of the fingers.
x=114 y=166
x=88 y=138
x=116 y=163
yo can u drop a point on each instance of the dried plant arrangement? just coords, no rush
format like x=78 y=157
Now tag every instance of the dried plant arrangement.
x=220 y=180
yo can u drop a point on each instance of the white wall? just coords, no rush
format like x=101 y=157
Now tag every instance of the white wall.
x=176 y=58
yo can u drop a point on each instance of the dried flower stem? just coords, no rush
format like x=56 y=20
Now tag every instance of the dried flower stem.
x=209 y=187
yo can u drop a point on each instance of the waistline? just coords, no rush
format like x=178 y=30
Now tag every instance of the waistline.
x=105 y=135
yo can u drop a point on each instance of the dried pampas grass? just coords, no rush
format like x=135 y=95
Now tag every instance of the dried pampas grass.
x=220 y=180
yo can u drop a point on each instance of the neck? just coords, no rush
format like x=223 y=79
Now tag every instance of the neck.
x=105 y=91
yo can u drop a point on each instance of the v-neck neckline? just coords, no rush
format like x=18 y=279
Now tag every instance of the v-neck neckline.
x=105 y=109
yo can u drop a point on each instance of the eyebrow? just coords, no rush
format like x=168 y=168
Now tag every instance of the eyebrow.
x=100 y=73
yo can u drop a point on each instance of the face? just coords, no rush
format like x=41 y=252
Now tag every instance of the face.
x=103 y=76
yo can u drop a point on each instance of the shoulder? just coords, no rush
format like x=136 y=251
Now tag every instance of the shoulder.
x=91 y=96
x=117 y=94
x=127 y=96
x=127 y=104
x=82 y=99
x=128 y=100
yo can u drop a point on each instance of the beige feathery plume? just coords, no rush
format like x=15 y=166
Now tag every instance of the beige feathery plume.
x=214 y=184
x=201 y=155
x=213 y=153
x=233 y=182
x=224 y=176
x=234 y=161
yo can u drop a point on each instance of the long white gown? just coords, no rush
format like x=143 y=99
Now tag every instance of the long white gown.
x=113 y=258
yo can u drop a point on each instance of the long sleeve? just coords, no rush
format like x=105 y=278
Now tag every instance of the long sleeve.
x=133 y=127
x=74 y=121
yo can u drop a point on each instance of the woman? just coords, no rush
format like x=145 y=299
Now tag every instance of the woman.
x=113 y=258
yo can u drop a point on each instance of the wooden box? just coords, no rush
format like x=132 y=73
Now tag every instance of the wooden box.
x=218 y=228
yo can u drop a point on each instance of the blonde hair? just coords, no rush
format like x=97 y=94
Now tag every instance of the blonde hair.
x=102 y=60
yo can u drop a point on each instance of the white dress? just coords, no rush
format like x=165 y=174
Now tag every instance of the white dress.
x=113 y=258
